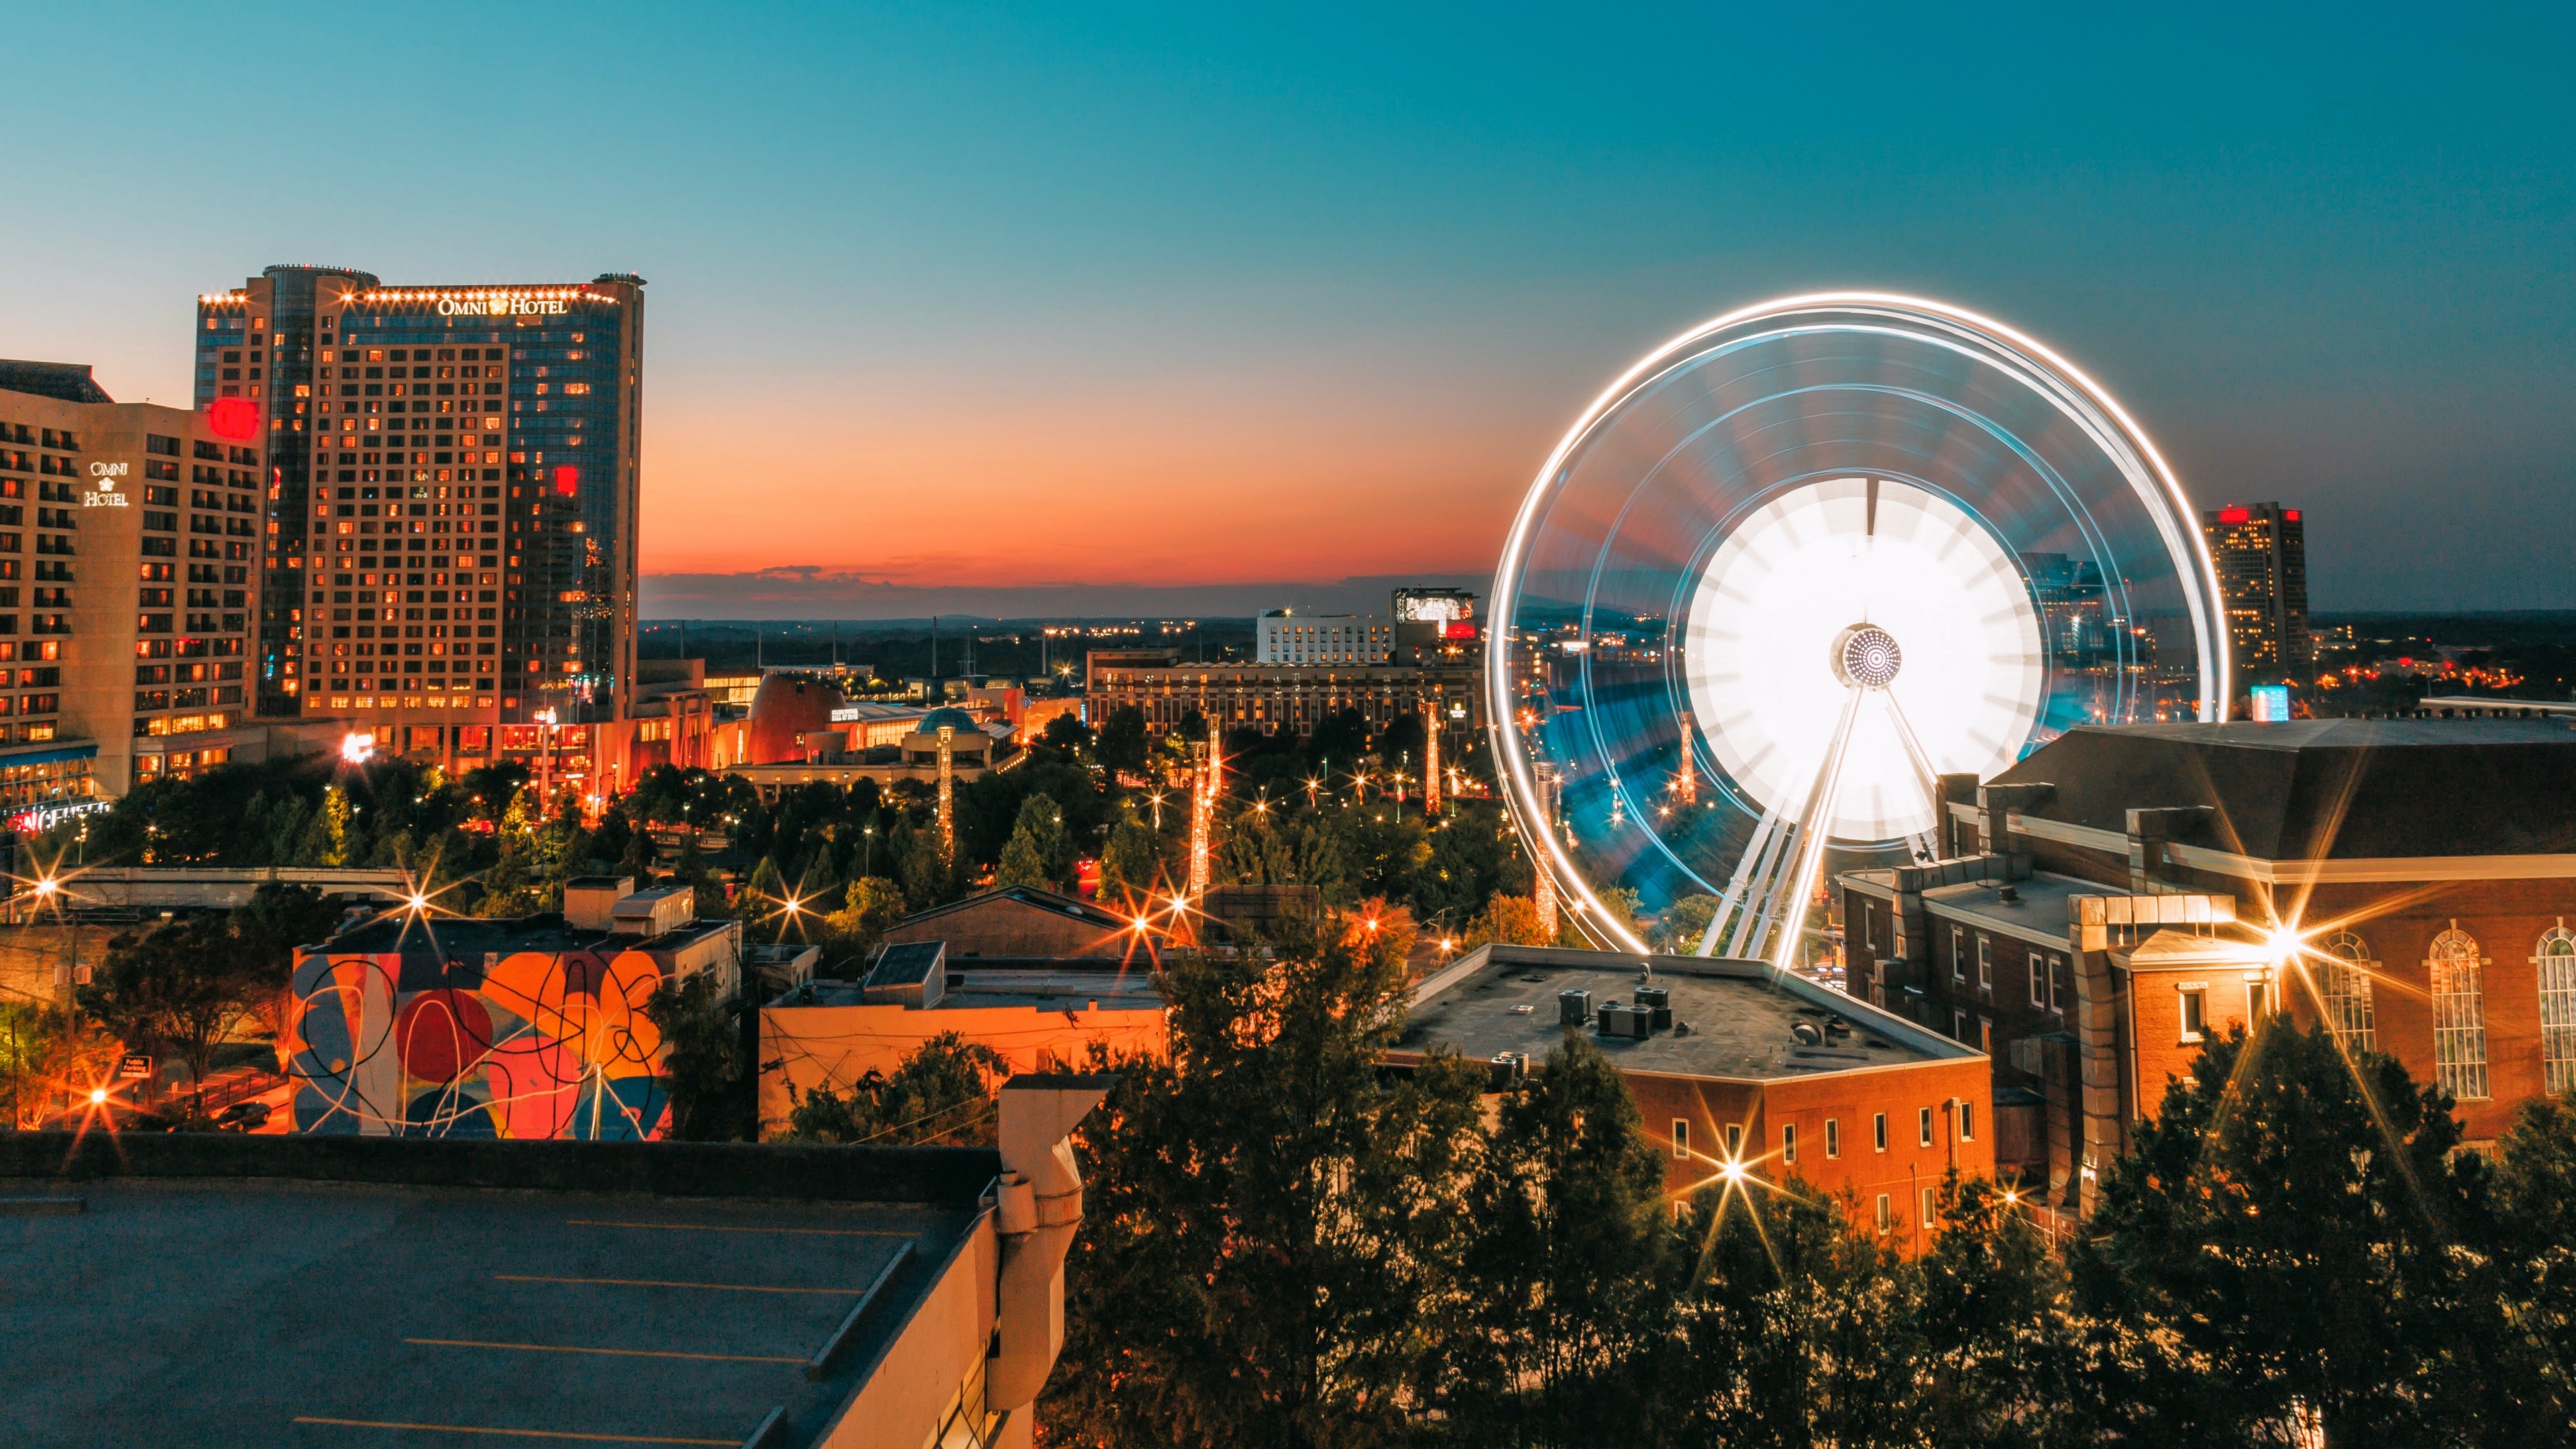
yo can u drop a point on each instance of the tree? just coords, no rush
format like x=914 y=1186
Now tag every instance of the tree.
x=1511 y=920
x=1067 y=732
x=1568 y=1259
x=181 y=987
x=1132 y=862
x=2294 y=1225
x=941 y=1095
x=1683 y=923
x=1122 y=740
x=1037 y=854
x=874 y=904
x=702 y=1063
x=1273 y=1226
x=266 y=931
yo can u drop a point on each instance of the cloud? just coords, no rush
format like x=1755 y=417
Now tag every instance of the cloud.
x=806 y=591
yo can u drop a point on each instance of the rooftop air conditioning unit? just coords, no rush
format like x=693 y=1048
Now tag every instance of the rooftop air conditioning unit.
x=1573 y=1008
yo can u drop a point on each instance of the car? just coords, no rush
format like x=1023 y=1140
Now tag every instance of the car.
x=242 y=1116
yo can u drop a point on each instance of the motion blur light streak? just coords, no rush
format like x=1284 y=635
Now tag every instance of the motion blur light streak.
x=1827 y=549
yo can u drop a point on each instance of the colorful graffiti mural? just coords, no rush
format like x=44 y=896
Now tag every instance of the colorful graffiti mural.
x=529 y=1045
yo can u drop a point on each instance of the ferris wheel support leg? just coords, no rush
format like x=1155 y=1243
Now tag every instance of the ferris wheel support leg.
x=1737 y=895
x=1790 y=900
x=1782 y=897
x=1757 y=888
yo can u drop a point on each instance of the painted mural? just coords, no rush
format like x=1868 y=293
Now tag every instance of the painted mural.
x=530 y=1045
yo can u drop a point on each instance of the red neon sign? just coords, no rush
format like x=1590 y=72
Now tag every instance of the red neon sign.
x=567 y=480
x=236 y=418
x=2236 y=515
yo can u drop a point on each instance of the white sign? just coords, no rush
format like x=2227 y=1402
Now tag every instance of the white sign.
x=42 y=818
x=106 y=495
x=502 y=307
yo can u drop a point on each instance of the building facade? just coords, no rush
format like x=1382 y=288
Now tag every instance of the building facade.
x=1289 y=698
x=451 y=508
x=2261 y=551
x=129 y=587
x=1284 y=636
x=2127 y=894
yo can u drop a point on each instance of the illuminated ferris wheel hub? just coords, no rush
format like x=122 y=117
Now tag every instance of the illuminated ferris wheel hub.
x=1866 y=657
x=1710 y=529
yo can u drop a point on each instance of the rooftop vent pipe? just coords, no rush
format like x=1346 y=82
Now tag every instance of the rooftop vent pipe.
x=1041 y=1205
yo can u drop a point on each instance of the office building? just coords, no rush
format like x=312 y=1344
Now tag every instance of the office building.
x=129 y=588
x=452 y=506
x=2261 y=551
x=2110 y=904
x=1285 y=636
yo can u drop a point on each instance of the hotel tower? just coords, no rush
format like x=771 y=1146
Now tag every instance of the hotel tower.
x=449 y=557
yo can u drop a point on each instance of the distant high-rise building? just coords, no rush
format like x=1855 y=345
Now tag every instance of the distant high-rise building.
x=2261 y=551
x=451 y=506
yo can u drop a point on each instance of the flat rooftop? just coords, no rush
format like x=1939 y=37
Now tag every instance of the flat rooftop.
x=255 y=1307
x=2038 y=914
x=1035 y=986
x=460 y=938
x=1741 y=1015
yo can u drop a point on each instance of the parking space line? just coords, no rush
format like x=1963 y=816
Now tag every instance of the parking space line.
x=733 y=1228
x=668 y=1283
x=610 y=1352
x=511 y=1433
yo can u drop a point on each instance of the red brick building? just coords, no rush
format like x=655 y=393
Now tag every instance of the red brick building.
x=1733 y=1062
x=2125 y=893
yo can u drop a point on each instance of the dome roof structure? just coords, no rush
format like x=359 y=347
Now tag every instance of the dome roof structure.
x=784 y=709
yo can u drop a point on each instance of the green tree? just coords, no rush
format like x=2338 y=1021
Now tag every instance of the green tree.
x=941 y=1095
x=1568 y=1263
x=1270 y=1250
x=1679 y=929
x=873 y=905
x=702 y=1062
x=1122 y=742
x=180 y=988
x=1037 y=854
x=266 y=931
x=2294 y=1225
x=1131 y=864
x=1512 y=920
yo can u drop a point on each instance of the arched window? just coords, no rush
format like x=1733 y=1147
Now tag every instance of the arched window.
x=2556 y=960
x=2343 y=986
x=2459 y=1015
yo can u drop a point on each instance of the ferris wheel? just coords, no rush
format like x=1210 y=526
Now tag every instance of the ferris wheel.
x=1799 y=563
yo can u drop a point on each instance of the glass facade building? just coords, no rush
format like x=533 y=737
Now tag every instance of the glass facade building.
x=452 y=498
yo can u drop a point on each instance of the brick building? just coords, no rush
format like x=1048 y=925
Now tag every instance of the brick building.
x=1734 y=1062
x=2127 y=893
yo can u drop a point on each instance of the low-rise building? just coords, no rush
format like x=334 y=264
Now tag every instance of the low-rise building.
x=1023 y=923
x=684 y=1293
x=1734 y=1062
x=1292 y=698
x=2126 y=893
x=417 y=1025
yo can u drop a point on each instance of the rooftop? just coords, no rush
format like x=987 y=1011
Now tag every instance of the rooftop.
x=2037 y=912
x=2324 y=789
x=1740 y=1013
x=1046 y=900
x=62 y=381
x=216 y=1289
x=459 y=938
x=1039 y=984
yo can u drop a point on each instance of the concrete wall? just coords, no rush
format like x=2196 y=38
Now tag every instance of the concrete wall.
x=935 y=1369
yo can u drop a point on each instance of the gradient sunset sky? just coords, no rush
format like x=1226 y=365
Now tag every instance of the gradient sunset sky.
x=947 y=301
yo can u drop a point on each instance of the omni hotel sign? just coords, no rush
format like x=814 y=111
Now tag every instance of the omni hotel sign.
x=520 y=306
x=105 y=495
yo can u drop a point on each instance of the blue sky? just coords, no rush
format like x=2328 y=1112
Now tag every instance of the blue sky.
x=1103 y=297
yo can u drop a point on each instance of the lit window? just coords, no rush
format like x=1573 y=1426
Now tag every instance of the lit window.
x=2459 y=1015
x=2556 y=959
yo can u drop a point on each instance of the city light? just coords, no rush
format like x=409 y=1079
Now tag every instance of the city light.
x=356 y=748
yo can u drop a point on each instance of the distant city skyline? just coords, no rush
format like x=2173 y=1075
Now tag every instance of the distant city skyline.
x=1115 y=304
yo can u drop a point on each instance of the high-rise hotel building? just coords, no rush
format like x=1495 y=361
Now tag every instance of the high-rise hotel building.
x=129 y=588
x=2261 y=552
x=450 y=545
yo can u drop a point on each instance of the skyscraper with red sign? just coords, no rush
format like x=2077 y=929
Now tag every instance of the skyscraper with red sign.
x=2261 y=550
x=452 y=498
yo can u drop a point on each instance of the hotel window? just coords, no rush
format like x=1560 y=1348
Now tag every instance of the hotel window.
x=2194 y=1011
x=2556 y=960
x=1985 y=965
x=1788 y=1142
x=1878 y=1129
x=1833 y=1137
x=1681 y=1137
x=2459 y=1015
